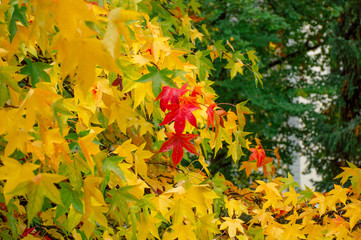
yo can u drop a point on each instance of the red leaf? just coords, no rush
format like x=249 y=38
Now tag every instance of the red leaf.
x=27 y=231
x=179 y=114
x=170 y=95
x=177 y=142
x=258 y=154
x=210 y=115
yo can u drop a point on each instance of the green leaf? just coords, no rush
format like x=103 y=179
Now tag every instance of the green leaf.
x=73 y=220
x=157 y=77
x=72 y=136
x=69 y=196
x=195 y=5
x=306 y=194
x=84 y=133
x=5 y=76
x=22 y=188
x=36 y=71
x=111 y=164
x=59 y=108
x=48 y=188
x=220 y=47
x=11 y=219
x=35 y=202
x=102 y=119
x=203 y=63
x=4 y=93
x=258 y=77
x=256 y=232
x=18 y=15
x=252 y=57
x=288 y=182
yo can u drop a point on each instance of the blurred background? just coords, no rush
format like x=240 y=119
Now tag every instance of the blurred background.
x=310 y=101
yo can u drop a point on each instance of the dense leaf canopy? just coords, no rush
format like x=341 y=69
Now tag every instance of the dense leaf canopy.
x=108 y=122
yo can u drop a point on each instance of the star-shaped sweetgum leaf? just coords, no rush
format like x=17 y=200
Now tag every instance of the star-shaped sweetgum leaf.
x=258 y=154
x=177 y=142
x=179 y=113
x=158 y=77
x=170 y=96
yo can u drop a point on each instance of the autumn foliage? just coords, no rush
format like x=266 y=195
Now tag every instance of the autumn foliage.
x=108 y=122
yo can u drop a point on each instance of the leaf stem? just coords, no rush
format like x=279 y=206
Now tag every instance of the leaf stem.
x=230 y=104
x=150 y=186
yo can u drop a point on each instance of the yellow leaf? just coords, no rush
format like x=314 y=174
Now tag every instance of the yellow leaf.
x=163 y=203
x=71 y=21
x=72 y=54
x=88 y=147
x=143 y=125
x=76 y=235
x=126 y=150
x=292 y=197
x=338 y=194
x=91 y=191
x=48 y=187
x=274 y=231
x=15 y=173
x=353 y=211
x=160 y=47
x=161 y=135
x=99 y=216
x=292 y=232
x=262 y=216
x=233 y=225
x=181 y=232
x=314 y=231
x=338 y=227
x=322 y=202
x=37 y=103
x=207 y=226
x=181 y=211
x=354 y=174
x=30 y=237
x=201 y=197
x=194 y=34
x=139 y=59
x=236 y=207
x=268 y=188
x=121 y=112
x=148 y=226
x=139 y=156
x=117 y=25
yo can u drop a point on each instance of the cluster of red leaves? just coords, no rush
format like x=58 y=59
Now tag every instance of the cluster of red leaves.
x=179 y=105
x=180 y=109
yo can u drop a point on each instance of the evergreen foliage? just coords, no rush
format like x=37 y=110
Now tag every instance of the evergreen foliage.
x=310 y=60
